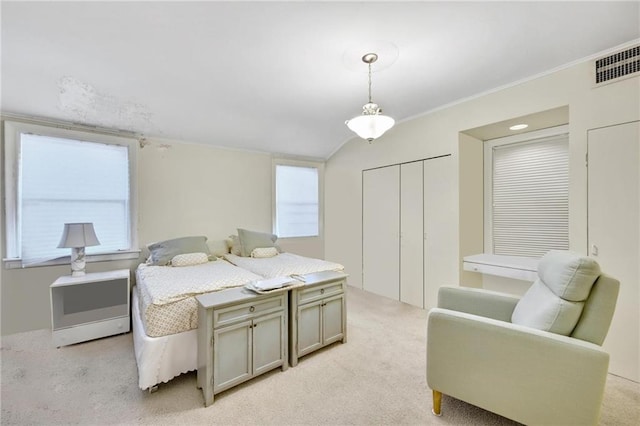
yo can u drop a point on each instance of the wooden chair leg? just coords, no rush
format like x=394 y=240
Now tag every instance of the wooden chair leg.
x=437 y=400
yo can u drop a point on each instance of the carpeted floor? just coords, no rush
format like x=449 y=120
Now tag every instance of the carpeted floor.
x=378 y=377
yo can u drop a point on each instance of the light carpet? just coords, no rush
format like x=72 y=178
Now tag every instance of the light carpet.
x=376 y=378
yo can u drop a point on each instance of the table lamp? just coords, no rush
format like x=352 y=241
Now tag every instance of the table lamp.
x=77 y=236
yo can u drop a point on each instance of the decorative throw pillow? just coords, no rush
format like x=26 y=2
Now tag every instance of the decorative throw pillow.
x=261 y=252
x=189 y=259
x=162 y=252
x=234 y=245
x=250 y=240
x=218 y=248
x=569 y=275
x=555 y=300
x=541 y=309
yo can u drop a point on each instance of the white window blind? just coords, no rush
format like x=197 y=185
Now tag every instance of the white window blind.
x=530 y=197
x=65 y=180
x=56 y=174
x=297 y=201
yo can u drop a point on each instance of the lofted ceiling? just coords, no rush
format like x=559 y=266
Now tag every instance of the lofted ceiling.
x=281 y=77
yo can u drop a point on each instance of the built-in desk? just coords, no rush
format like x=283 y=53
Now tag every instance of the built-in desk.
x=520 y=268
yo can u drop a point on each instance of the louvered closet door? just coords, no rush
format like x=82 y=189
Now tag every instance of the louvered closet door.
x=380 y=231
x=614 y=234
x=440 y=223
x=411 y=234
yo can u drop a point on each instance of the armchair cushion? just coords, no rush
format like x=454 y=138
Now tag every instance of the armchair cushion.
x=541 y=309
x=569 y=275
x=555 y=300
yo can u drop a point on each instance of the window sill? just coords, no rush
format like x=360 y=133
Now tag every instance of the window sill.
x=66 y=260
x=300 y=238
x=520 y=268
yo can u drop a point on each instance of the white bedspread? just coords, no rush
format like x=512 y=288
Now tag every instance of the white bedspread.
x=167 y=301
x=167 y=284
x=283 y=264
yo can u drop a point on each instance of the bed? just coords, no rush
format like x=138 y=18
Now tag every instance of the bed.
x=164 y=312
x=164 y=308
x=283 y=264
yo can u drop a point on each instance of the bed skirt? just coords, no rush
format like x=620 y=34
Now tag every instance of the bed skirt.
x=160 y=359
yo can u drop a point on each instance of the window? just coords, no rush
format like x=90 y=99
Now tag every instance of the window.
x=56 y=176
x=527 y=193
x=297 y=208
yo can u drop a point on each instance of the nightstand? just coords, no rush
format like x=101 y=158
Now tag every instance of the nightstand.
x=317 y=313
x=241 y=334
x=90 y=306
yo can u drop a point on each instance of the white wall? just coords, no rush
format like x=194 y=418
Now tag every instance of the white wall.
x=183 y=189
x=439 y=133
x=189 y=189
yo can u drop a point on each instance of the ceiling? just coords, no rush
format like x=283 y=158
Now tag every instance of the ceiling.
x=281 y=77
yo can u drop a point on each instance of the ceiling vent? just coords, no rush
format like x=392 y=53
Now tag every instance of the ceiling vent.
x=620 y=65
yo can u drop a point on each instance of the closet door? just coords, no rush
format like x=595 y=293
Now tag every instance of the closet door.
x=440 y=236
x=381 y=231
x=614 y=234
x=411 y=234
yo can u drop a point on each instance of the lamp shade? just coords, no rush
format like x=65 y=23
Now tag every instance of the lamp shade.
x=78 y=235
x=370 y=127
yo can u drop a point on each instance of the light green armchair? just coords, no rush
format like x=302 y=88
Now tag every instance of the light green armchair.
x=535 y=359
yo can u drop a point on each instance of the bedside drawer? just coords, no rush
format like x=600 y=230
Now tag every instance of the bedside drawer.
x=247 y=311
x=320 y=292
x=95 y=330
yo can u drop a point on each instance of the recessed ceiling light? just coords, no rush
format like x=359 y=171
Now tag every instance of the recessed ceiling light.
x=518 y=127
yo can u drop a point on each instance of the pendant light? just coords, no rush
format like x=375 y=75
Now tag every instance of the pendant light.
x=371 y=124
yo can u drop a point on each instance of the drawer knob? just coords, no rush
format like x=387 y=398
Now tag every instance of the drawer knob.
x=322 y=291
x=251 y=309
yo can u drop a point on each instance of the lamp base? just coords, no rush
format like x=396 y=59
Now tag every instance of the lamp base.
x=78 y=261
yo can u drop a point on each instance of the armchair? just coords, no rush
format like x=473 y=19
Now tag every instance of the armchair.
x=535 y=359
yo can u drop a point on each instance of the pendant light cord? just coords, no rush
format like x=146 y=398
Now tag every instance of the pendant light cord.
x=369 y=82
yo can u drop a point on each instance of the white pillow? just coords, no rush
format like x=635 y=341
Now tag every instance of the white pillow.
x=234 y=245
x=541 y=309
x=569 y=275
x=555 y=300
x=189 y=259
x=264 y=252
x=218 y=248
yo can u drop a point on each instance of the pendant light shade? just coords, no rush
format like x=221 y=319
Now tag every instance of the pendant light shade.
x=371 y=124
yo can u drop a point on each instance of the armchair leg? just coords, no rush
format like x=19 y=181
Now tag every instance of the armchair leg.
x=437 y=400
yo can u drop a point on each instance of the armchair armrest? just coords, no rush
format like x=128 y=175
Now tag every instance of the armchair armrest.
x=528 y=375
x=475 y=301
